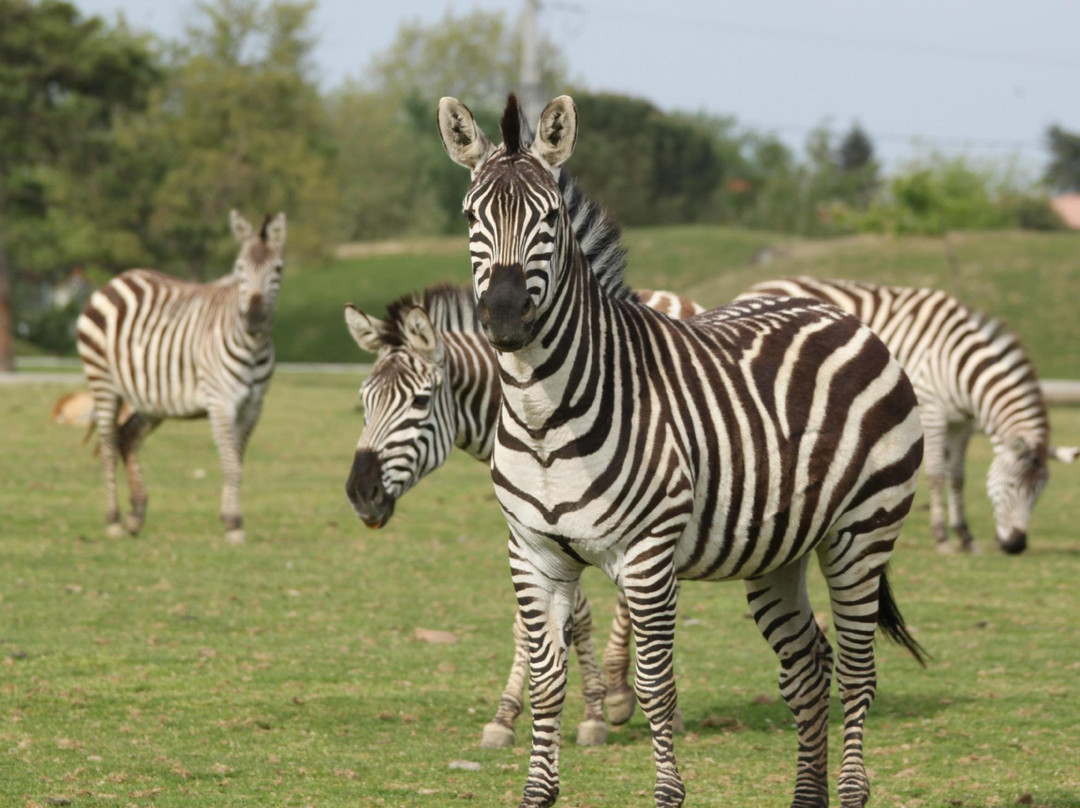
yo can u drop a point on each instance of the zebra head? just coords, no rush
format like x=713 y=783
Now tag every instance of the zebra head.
x=1018 y=474
x=408 y=411
x=515 y=213
x=258 y=268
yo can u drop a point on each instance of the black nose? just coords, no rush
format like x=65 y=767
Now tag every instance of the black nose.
x=505 y=309
x=1015 y=544
x=364 y=486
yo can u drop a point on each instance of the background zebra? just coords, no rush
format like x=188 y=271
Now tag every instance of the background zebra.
x=435 y=385
x=725 y=446
x=968 y=370
x=173 y=349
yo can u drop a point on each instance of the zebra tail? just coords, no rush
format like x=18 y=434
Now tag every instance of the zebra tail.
x=892 y=622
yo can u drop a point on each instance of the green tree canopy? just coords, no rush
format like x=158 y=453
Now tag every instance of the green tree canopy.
x=64 y=81
x=1063 y=172
x=245 y=125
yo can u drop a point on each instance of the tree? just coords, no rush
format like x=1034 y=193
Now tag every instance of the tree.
x=245 y=126
x=648 y=167
x=63 y=82
x=1063 y=172
x=858 y=169
x=475 y=57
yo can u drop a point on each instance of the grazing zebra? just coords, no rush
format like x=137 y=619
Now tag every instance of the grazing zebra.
x=726 y=446
x=173 y=349
x=968 y=370
x=435 y=385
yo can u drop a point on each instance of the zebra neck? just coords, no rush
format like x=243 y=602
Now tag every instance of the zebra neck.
x=474 y=383
x=545 y=377
x=1005 y=397
x=1021 y=414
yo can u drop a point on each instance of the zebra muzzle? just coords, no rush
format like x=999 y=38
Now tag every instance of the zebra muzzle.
x=506 y=310
x=366 y=492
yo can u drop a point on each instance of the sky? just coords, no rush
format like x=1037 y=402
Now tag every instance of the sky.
x=980 y=77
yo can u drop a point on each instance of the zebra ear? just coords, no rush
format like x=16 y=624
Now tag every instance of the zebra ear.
x=557 y=132
x=421 y=334
x=1066 y=454
x=273 y=232
x=367 y=331
x=241 y=227
x=461 y=135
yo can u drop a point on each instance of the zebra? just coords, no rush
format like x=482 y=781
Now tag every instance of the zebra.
x=434 y=386
x=174 y=349
x=726 y=446
x=969 y=371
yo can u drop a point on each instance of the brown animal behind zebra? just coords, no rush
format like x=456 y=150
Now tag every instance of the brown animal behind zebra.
x=174 y=349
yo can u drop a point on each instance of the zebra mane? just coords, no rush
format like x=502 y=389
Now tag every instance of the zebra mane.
x=450 y=308
x=599 y=236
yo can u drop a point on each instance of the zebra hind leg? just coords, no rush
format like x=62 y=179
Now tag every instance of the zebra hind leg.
x=853 y=560
x=619 y=700
x=499 y=732
x=131 y=435
x=592 y=731
x=781 y=608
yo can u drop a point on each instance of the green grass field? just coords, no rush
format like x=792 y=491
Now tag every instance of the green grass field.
x=174 y=670
x=1031 y=280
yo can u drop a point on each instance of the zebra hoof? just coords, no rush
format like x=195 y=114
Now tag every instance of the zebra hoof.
x=945 y=548
x=619 y=705
x=591 y=733
x=115 y=530
x=497 y=736
x=678 y=726
x=234 y=536
x=133 y=523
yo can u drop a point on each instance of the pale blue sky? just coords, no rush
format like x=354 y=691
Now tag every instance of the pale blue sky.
x=983 y=77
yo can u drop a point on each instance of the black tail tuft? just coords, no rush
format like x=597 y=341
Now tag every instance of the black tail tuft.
x=891 y=622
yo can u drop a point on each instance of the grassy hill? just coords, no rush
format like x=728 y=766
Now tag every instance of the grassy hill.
x=1030 y=280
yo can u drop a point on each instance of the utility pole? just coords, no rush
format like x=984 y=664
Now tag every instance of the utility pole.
x=532 y=103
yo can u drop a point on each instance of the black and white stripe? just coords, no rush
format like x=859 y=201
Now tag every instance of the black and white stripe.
x=969 y=371
x=173 y=349
x=727 y=446
x=435 y=385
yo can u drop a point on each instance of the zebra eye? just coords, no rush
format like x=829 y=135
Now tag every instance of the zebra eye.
x=552 y=217
x=420 y=401
x=469 y=216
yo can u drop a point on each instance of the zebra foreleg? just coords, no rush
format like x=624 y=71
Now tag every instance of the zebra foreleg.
x=620 y=699
x=781 y=608
x=955 y=454
x=228 y=439
x=132 y=433
x=106 y=406
x=499 y=732
x=546 y=601
x=651 y=594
